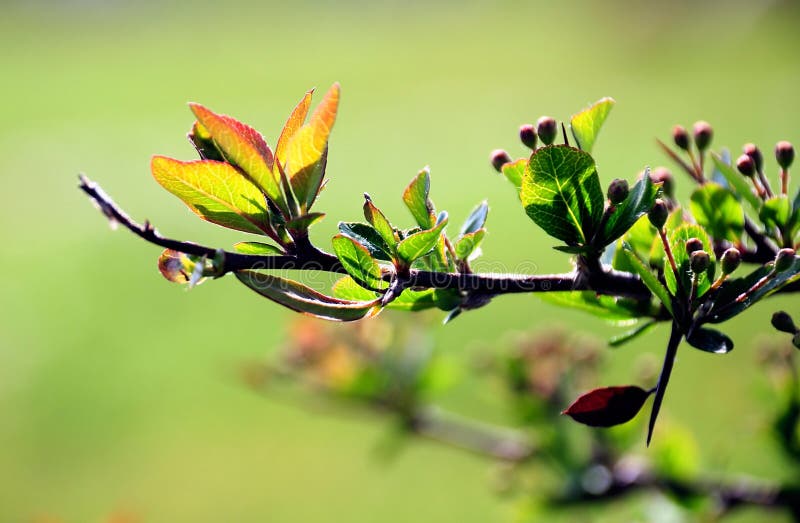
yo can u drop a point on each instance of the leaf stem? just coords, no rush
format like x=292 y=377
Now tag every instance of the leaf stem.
x=666 y=370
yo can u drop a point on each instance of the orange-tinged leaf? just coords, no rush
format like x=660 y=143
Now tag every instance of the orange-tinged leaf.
x=295 y=121
x=306 y=152
x=215 y=191
x=245 y=147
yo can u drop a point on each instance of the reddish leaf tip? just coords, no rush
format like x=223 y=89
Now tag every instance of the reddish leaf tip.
x=608 y=406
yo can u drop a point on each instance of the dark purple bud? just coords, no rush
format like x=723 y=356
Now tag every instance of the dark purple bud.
x=499 y=158
x=783 y=322
x=784 y=260
x=730 y=260
x=752 y=150
x=784 y=153
x=547 y=129
x=658 y=214
x=527 y=134
x=617 y=191
x=693 y=245
x=699 y=261
x=746 y=165
x=681 y=137
x=703 y=133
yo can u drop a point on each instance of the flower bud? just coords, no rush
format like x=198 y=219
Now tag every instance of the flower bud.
x=693 y=245
x=658 y=214
x=703 y=133
x=499 y=158
x=784 y=154
x=730 y=260
x=663 y=176
x=527 y=134
x=783 y=322
x=547 y=129
x=699 y=261
x=754 y=152
x=681 y=137
x=746 y=165
x=784 y=260
x=618 y=191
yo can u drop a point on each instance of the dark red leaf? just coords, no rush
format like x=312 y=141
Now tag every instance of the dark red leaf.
x=608 y=406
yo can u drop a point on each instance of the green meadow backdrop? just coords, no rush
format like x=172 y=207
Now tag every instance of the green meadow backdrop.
x=119 y=391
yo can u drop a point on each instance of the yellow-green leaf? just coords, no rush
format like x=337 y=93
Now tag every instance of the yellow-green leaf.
x=587 y=123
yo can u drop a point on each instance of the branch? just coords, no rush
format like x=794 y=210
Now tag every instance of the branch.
x=308 y=257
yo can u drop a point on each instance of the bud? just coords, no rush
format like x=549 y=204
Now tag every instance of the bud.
x=746 y=165
x=784 y=260
x=693 y=245
x=663 y=176
x=499 y=158
x=754 y=152
x=618 y=191
x=784 y=153
x=703 y=133
x=681 y=137
x=730 y=260
x=699 y=261
x=527 y=134
x=658 y=214
x=547 y=129
x=783 y=322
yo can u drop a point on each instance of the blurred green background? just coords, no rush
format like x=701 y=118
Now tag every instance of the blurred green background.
x=119 y=391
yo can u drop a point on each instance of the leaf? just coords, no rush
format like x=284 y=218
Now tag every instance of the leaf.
x=298 y=297
x=357 y=261
x=639 y=201
x=648 y=278
x=377 y=219
x=677 y=242
x=776 y=212
x=292 y=125
x=627 y=336
x=215 y=191
x=467 y=243
x=367 y=236
x=302 y=223
x=416 y=199
x=561 y=193
x=586 y=124
x=726 y=305
x=476 y=219
x=203 y=144
x=513 y=171
x=710 y=340
x=603 y=306
x=716 y=209
x=246 y=148
x=640 y=239
x=737 y=181
x=306 y=152
x=409 y=300
x=421 y=242
x=256 y=248
x=657 y=254
x=608 y=406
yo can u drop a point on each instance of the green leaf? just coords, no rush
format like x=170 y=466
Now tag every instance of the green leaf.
x=376 y=218
x=776 y=212
x=256 y=248
x=561 y=193
x=409 y=300
x=298 y=297
x=421 y=242
x=513 y=171
x=603 y=306
x=639 y=201
x=204 y=144
x=726 y=303
x=358 y=262
x=416 y=199
x=648 y=278
x=215 y=191
x=640 y=239
x=635 y=332
x=302 y=223
x=657 y=254
x=737 y=181
x=586 y=124
x=677 y=242
x=710 y=340
x=716 y=209
x=367 y=236
x=467 y=243
x=476 y=219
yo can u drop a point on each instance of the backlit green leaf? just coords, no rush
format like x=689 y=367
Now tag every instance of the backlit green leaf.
x=357 y=261
x=256 y=248
x=377 y=219
x=717 y=210
x=776 y=211
x=607 y=307
x=639 y=201
x=513 y=172
x=409 y=300
x=586 y=124
x=640 y=239
x=737 y=181
x=367 y=236
x=421 y=242
x=648 y=278
x=416 y=199
x=467 y=243
x=677 y=241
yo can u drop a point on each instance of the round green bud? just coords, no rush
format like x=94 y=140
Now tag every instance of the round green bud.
x=746 y=165
x=783 y=322
x=499 y=158
x=784 y=154
x=658 y=214
x=664 y=176
x=617 y=191
x=752 y=150
x=703 y=133
x=681 y=137
x=699 y=261
x=547 y=129
x=784 y=260
x=693 y=245
x=527 y=135
x=730 y=260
